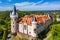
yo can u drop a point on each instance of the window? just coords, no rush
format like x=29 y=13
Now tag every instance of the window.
x=35 y=30
x=25 y=27
x=13 y=25
x=29 y=32
x=13 y=22
x=15 y=19
x=41 y=24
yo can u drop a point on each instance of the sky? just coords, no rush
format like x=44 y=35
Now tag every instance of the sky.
x=30 y=5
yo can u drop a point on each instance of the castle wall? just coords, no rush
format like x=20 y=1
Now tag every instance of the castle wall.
x=14 y=25
x=44 y=26
x=34 y=29
x=30 y=28
x=21 y=28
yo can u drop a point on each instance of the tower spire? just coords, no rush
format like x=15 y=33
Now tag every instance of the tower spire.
x=14 y=13
x=14 y=10
x=34 y=19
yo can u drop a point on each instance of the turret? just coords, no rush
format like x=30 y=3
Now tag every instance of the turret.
x=14 y=13
x=34 y=21
x=14 y=19
x=34 y=25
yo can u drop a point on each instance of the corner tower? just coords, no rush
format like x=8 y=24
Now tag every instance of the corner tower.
x=34 y=25
x=14 y=19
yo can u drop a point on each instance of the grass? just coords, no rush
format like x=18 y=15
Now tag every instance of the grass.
x=17 y=38
x=56 y=28
x=51 y=38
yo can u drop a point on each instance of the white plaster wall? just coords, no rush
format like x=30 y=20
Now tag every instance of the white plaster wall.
x=25 y=31
x=14 y=25
x=21 y=28
x=30 y=29
x=34 y=26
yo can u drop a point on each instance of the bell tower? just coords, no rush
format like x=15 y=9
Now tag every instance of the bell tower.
x=14 y=19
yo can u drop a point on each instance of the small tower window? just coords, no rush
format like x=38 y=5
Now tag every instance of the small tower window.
x=13 y=25
x=29 y=32
x=15 y=19
x=35 y=30
x=25 y=27
x=13 y=22
x=41 y=24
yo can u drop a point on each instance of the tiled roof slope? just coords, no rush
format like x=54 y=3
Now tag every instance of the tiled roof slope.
x=39 y=18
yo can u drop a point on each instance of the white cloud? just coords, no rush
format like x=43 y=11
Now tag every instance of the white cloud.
x=28 y=3
x=39 y=2
x=2 y=8
x=33 y=6
x=24 y=4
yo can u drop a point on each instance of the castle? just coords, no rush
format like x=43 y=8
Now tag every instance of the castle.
x=29 y=25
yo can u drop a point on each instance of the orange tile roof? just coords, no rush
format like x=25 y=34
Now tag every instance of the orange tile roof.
x=39 y=18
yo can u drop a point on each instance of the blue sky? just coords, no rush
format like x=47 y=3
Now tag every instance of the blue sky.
x=30 y=5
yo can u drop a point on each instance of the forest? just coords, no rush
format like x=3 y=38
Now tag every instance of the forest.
x=5 y=23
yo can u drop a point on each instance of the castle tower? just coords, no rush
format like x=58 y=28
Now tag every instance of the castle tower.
x=34 y=24
x=14 y=23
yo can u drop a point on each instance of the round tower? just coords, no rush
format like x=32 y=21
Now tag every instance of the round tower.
x=14 y=23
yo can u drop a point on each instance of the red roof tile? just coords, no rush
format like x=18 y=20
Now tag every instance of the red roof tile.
x=28 y=19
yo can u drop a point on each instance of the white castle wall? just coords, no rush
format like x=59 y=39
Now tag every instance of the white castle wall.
x=14 y=25
x=21 y=28
x=34 y=26
x=30 y=28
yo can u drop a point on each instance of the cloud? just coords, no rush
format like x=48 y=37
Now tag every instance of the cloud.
x=34 y=6
x=28 y=3
x=24 y=4
x=30 y=6
x=2 y=8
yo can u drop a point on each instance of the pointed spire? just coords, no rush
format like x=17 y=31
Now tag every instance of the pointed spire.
x=34 y=19
x=14 y=10
x=14 y=13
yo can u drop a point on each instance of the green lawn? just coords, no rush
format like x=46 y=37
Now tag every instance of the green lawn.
x=55 y=32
